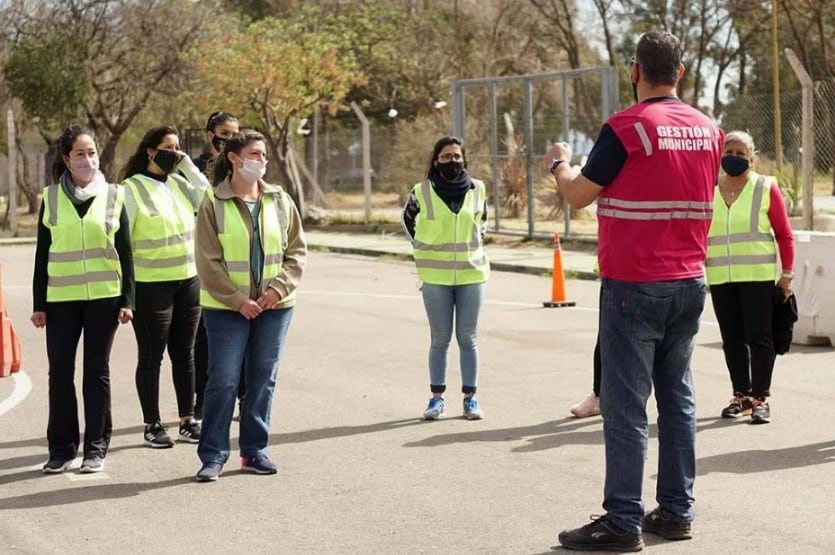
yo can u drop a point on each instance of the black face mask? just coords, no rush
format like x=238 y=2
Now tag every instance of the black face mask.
x=635 y=92
x=167 y=160
x=735 y=165
x=218 y=143
x=450 y=171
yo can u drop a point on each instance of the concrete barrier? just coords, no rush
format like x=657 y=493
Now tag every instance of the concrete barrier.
x=814 y=287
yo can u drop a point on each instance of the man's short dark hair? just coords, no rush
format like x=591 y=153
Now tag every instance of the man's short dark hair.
x=658 y=54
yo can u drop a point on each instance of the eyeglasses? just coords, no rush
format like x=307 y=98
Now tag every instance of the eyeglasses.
x=450 y=157
x=631 y=62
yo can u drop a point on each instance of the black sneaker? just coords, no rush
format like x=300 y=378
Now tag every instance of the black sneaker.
x=189 y=432
x=740 y=405
x=56 y=465
x=656 y=523
x=761 y=413
x=156 y=437
x=600 y=535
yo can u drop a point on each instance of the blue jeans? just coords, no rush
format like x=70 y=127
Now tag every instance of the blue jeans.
x=442 y=302
x=647 y=334
x=235 y=343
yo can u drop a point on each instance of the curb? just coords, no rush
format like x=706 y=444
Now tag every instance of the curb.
x=496 y=266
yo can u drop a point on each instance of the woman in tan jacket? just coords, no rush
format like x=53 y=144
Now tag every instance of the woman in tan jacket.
x=250 y=258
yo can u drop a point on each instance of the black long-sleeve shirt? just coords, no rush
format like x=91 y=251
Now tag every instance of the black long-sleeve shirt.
x=40 y=275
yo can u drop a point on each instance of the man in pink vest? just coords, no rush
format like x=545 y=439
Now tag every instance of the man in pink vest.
x=652 y=170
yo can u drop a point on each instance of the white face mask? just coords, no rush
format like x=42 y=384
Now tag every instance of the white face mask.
x=253 y=170
x=84 y=169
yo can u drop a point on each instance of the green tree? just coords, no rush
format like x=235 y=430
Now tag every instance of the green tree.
x=271 y=73
x=100 y=62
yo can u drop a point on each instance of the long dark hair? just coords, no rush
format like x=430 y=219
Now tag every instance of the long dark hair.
x=138 y=162
x=439 y=146
x=236 y=143
x=63 y=146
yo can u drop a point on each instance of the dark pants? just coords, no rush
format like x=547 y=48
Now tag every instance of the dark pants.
x=597 y=368
x=201 y=368
x=744 y=312
x=167 y=313
x=64 y=323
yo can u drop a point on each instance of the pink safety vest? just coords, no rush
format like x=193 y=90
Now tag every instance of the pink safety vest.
x=654 y=217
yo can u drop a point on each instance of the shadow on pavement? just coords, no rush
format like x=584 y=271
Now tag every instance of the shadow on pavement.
x=551 y=434
x=72 y=495
x=768 y=460
x=340 y=431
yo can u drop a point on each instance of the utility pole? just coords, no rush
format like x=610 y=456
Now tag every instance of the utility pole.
x=775 y=76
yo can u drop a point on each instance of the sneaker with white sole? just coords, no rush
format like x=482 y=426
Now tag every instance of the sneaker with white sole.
x=189 y=432
x=56 y=465
x=435 y=409
x=590 y=406
x=472 y=410
x=91 y=465
x=156 y=437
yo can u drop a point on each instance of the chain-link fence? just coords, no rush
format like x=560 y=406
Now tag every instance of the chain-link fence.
x=508 y=123
x=754 y=113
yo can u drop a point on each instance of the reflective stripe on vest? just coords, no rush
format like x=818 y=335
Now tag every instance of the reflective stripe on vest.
x=162 y=233
x=235 y=239
x=448 y=248
x=740 y=243
x=83 y=263
x=654 y=209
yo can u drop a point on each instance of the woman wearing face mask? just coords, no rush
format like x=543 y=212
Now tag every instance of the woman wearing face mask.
x=219 y=127
x=250 y=258
x=161 y=203
x=445 y=217
x=749 y=213
x=82 y=282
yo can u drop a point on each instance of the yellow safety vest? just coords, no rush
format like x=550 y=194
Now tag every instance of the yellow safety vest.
x=740 y=243
x=83 y=262
x=234 y=237
x=448 y=247
x=162 y=231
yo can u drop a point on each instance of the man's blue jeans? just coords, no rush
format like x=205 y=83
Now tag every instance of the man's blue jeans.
x=235 y=342
x=647 y=334
x=463 y=303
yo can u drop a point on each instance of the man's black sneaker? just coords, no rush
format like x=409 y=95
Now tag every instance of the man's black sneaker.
x=189 y=432
x=656 y=523
x=600 y=535
x=761 y=412
x=156 y=437
x=740 y=405
x=56 y=465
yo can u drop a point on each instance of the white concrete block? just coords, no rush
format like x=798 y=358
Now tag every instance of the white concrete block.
x=814 y=287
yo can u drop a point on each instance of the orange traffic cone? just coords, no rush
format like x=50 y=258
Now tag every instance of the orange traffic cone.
x=17 y=355
x=557 y=279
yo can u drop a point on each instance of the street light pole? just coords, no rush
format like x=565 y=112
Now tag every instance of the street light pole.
x=775 y=76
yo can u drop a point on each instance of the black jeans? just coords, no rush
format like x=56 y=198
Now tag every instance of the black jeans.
x=65 y=322
x=597 y=368
x=167 y=314
x=201 y=368
x=744 y=311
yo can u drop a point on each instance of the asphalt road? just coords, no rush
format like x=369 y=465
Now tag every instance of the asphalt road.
x=360 y=473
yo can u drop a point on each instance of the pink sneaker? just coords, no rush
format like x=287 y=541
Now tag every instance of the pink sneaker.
x=590 y=406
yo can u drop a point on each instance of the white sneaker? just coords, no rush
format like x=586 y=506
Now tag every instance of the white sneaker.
x=590 y=406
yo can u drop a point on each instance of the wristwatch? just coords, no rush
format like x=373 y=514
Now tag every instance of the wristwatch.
x=554 y=163
x=788 y=275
